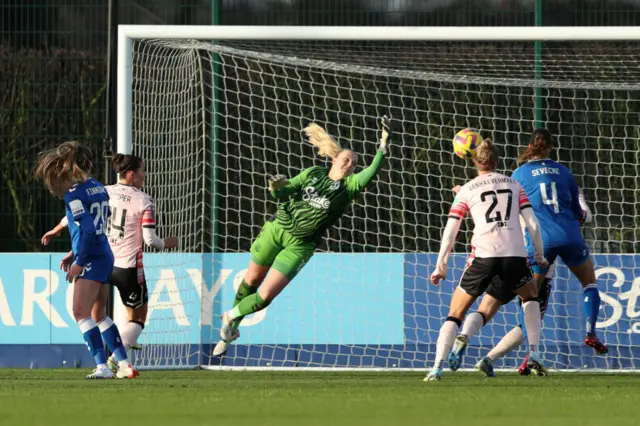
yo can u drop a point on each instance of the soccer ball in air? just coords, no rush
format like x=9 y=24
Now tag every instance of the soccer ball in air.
x=465 y=143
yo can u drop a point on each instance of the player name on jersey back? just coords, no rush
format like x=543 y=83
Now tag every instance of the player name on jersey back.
x=494 y=202
x=131 y=210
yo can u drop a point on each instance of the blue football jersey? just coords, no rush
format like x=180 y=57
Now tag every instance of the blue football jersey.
x=553 y=193
x=87 y=209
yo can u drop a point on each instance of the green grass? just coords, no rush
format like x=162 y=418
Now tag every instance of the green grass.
x=62 y=397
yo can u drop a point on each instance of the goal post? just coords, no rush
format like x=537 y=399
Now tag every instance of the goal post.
x=364 y=300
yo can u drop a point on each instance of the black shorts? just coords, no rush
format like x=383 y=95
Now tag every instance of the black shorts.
x=132 y=286
x=499 y=277
x=498 y=291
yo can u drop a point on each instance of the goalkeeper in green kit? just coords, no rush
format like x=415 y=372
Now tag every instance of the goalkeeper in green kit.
x=311 y=203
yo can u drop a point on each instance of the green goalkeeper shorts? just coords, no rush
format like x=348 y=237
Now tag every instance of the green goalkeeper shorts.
x=275 y=247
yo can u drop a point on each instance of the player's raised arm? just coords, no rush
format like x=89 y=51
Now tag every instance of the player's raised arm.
x=359 y=181
x=364 y=177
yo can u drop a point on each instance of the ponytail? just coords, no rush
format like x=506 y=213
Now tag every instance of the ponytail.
x=123 y=163
x=62 y=167
x=327 y=146
x=540 y=146
x=487 y=156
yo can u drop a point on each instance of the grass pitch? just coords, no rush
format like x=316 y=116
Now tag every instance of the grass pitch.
x=190 y=398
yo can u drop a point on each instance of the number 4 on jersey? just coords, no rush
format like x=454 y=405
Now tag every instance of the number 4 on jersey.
x=118 y=225
x=553 y=201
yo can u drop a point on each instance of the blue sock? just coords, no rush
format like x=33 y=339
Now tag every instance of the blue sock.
x=521 y=321
x=111 y=337
x=91 y=335
x=591 y=307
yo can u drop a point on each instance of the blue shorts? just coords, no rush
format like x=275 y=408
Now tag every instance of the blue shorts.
x=98 y=269
x=571 y=254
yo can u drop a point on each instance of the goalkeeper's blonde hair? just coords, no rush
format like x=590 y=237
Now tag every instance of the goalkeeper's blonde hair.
x=327 y=146
x=487 y=155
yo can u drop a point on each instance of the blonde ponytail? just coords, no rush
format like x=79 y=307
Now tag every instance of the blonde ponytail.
x=487 y=156
x=327 y=146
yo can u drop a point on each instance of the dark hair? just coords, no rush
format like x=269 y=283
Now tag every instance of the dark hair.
x=62 y=167
x=487 y=156
x=123 y=163
x=540 y=146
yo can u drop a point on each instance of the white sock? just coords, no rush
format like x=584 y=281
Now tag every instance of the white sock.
x=447 y=336
x=472 y=324
x=509 y=342
x=130 y=334
x=104 y=324
x=532 y=323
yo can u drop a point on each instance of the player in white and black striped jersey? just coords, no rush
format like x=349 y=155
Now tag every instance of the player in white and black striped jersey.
x=495 y=203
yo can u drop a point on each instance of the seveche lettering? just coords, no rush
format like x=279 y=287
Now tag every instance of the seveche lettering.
x=545 y=171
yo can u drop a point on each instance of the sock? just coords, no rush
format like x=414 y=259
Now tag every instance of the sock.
x=472 y=324
x=447 y=336
x=248 y=305
x=130 y=334
x=521 y=321
x=532 y=322
x=509 y=342
x=91 y=335
x=591 y=307
x=243 y=291
x=111 y=337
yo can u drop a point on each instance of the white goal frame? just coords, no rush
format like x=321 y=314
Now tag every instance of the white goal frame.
x=128 y=33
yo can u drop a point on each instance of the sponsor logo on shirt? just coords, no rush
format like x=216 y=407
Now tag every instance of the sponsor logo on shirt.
x=316 y=201
x=76 y=207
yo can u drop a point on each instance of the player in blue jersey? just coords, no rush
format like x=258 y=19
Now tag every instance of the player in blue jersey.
x=65 y=172
x=554 y=196
x=515 y=337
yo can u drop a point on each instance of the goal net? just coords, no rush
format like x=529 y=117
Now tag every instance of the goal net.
x=214 y=119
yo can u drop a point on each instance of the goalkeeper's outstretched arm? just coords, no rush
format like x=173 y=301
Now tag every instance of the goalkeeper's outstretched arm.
x=282 y=188
x=367 y=175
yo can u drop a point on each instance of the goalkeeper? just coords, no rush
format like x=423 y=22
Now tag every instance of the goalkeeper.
x=312 y=202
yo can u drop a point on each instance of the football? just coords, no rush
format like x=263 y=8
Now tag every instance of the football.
x=465 y=143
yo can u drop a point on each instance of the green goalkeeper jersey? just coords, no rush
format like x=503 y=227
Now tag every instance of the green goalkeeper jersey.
x=314 y=202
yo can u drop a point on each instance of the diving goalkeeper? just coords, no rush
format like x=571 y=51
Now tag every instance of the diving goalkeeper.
x=311 y=202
